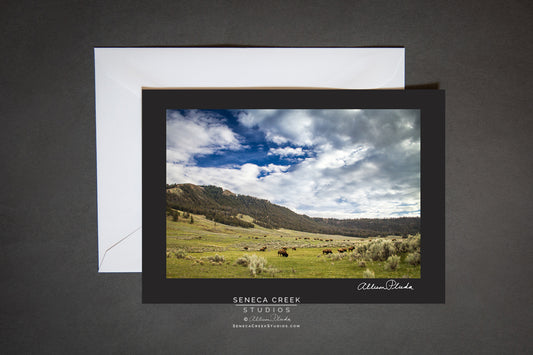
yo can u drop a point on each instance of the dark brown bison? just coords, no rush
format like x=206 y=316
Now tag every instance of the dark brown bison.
x=293 y=248
x=351 y=248
x=283 y=252
x=341 y=250
x=245 y=248
x=284 y=248
x=263 y=249
x=327 y=251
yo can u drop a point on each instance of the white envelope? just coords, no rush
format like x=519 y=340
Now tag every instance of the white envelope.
x=120 y=74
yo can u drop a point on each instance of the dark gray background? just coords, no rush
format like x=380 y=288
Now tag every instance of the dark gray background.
x=53 y=299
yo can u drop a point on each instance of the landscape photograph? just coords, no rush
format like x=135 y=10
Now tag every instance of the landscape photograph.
x=293 y=193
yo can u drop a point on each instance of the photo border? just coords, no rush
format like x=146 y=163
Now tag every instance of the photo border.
x=429 y=288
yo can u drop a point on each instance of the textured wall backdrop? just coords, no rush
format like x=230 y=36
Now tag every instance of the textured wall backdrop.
x=54 y=301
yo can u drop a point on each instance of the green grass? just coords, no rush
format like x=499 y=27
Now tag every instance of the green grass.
x=204 y=239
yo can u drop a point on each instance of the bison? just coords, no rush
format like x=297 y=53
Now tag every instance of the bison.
x=263 y=249
x=342 y=250
x=293 y=248
x=351 y=248
x=327 y=251
x=245 y=248
x=283 y=252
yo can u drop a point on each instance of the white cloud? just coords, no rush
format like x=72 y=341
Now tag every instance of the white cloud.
x=286 y=152
x=197 y=133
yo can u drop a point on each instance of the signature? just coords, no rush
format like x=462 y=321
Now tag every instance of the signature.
x=389 y=285
x=270 y=318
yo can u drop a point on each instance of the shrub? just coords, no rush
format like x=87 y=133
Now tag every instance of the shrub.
x=369 y=274
x=380 y=250
x=388 y=249
x=362 y=263
x=414 y=243
x=243 y=260
x=180 y=254
x=392 y=262
x=257 y=264
x=216 y=258
x=413 y=258
x=273 y=270
x=374 y=250
x=336 y=256
x=400 y=246
x=354 y=256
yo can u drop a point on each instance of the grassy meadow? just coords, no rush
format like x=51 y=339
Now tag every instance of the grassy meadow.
x=205 y=249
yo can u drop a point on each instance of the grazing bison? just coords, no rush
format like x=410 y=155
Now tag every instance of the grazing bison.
x=293 y=248
x=327 y=251
x=284 y=248
x=351 y=248
x=245 y=248
x=283 y=252
x=342 y=250
x=263 y=249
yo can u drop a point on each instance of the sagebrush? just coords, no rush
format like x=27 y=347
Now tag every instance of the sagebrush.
x=369 y=274
x=217 y=258
x=392 y=262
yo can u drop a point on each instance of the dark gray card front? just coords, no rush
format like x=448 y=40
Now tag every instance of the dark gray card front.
x=207 y=244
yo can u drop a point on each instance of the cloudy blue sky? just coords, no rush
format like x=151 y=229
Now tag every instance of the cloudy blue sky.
x=323 y=163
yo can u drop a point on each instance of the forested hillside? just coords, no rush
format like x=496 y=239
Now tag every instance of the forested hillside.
x=223 y=206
